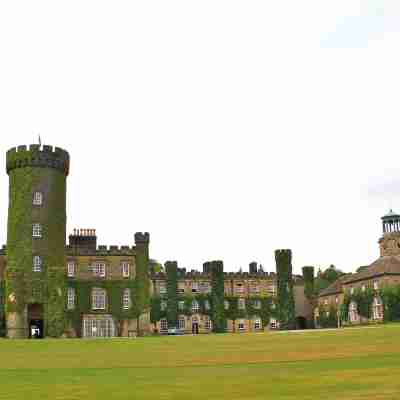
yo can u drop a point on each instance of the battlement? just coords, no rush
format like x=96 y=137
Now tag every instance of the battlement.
x=38 y=156
x=142 y=237
x=102 y=251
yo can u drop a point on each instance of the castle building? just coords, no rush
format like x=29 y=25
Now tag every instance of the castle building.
x=82 y=289
x=382 y=273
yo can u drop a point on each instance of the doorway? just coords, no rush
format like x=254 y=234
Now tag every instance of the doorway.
x=301 y=323
x=35 y=321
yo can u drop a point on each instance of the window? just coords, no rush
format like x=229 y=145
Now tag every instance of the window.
x=208 y=325
x=241 y=325
x=195 y=287
x=126 y=299
x=71 y=269
x=376 y=285
x=377 y=308
x=239 y=288
x=99 y=269
x=125 y=269
x=273 y=323
x=163 y=324
x=98 y=299
x=241 y=304
x=163 y=289
x=163 y=305
x=181 y=290
x=36 y=230
x=257 y=304
x=257 y=323
x=98 y=326
x=70 y=298
x=37 y=198
x=353 y=314
x=226 y=305
x=181 y=323
x=273 y=306
x=195 y=306
x=207 y=305
x=181 y=305
x=37 y=264
x=352 y=290
x=363 y=288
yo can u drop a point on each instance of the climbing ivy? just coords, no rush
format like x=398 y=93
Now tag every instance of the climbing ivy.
x=23 y=286
x=171 y=268
x=2 y=310
x=328 y=317
x=217 y=297
x=308 y=277
x=286 y=310
x=390 y=297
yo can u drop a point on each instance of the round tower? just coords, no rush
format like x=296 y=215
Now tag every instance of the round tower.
x=389 y=243
x=35 y=278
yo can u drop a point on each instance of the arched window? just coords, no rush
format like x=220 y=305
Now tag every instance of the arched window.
x=353 y=313
x=99 y=299
x=126 y=299
x=377 y=308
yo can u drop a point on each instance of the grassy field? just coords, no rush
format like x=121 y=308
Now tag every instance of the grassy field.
x=347 y=364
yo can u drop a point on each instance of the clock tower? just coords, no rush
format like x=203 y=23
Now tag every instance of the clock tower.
x=389 y=243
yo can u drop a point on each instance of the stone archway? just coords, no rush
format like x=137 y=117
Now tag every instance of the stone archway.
x=35 y=321
x=301 y=323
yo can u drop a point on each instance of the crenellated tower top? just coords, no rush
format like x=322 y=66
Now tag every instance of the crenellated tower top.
x=38 y=156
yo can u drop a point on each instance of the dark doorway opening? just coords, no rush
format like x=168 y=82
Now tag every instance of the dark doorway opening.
x=301 y=323
x=195 y=328
x=35 y=321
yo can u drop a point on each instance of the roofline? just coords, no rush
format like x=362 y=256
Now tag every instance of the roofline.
x=372 y=276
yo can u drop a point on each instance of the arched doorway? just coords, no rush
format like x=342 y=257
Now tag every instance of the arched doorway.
x=35 y=321
x=301 y=323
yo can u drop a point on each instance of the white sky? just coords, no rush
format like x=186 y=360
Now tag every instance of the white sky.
x=227 y=129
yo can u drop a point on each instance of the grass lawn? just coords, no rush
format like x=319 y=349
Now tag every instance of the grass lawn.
x=347 y=364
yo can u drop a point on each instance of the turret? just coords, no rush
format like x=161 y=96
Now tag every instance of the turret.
x=36 y=240
x=389 y=243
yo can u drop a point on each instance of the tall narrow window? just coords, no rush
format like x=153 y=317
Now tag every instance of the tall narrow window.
x=36 y=230
x=241 y=304
x=37 y=264
x=126 y=299
x=195 y=306
x=98 y=299
x=163 y=324
x=71 y=269
x=125 y=269
x=37 y=198
x=70 y=298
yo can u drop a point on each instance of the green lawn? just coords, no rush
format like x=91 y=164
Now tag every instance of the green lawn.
x=347 y=364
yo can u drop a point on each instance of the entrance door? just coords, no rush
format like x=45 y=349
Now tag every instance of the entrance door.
x=35 y=321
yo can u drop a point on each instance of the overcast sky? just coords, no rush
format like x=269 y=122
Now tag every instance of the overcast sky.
x=227 y=129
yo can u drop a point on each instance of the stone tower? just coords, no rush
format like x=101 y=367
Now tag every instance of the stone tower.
x=35 y=276
x=389 y=243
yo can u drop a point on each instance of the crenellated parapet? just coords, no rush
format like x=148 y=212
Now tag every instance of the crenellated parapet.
x=38 y=156
x=142 y=238
x=102 y=251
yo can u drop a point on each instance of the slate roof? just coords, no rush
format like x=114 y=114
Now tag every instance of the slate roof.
x=333 y=288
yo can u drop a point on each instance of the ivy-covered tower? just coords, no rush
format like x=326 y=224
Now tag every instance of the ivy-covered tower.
x=35 y=276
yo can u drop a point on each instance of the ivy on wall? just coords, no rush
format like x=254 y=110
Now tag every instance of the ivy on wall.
x=308 y=277
x=171 y=268
x=286 y=310
x=114 y=290
x=23 y=286
x=2 y=309
x=390 y=297
x=217 y=297
x=328 y=317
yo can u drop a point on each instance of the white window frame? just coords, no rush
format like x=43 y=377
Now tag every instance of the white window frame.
x=126 y=299
x=71 y=269
x=226 y=304
x=273 y=323
x=163 y=305
x=163 y=324
x=207 y=305
x=163 y=288
x=181 y=305
x=195 y=306
x=257 y=323
x=36 y=230
x=353 y=314
x=37 y=198
x=126 y=269
x=208 y=324
x=70 y=298
x=37 y=264
x=195 y=287
x=377 y=308
x=241 y=325
x=376 y=285
x=99 y=299
x=181 y=323
x=99 y=269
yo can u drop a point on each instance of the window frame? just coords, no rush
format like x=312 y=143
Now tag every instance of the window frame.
x=36 y=230
x=95 y=296
x=37 y=199
x=71 y=271
x=99 y=269
x=126 y=269
x=126 y=299
x=70 y=298
x=37 y=266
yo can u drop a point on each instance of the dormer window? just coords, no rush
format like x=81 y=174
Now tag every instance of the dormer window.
x=37 y=198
